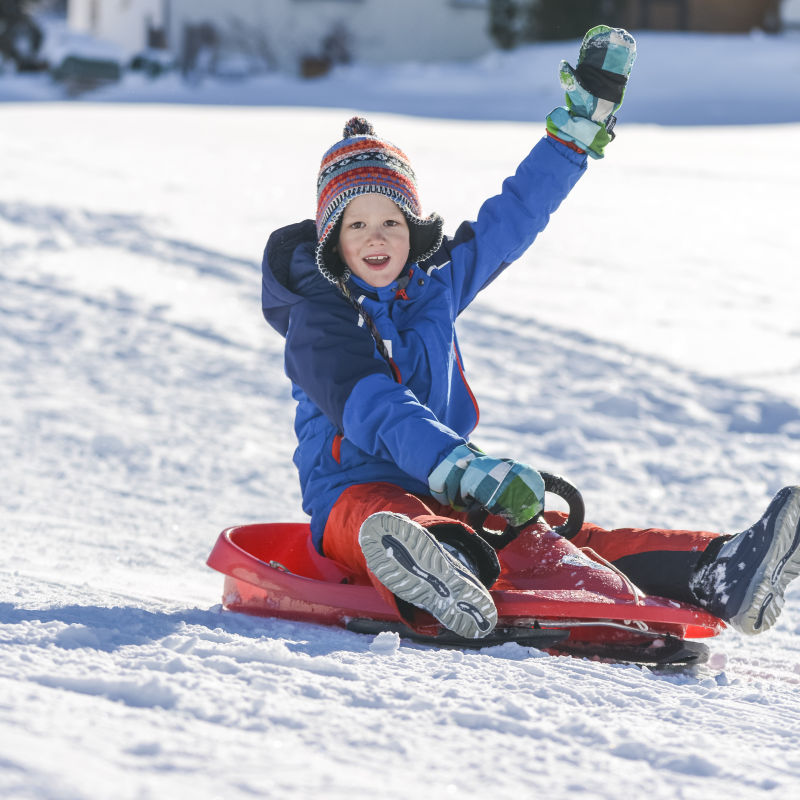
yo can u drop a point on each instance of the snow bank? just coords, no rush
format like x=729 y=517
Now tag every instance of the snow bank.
x=679 y=79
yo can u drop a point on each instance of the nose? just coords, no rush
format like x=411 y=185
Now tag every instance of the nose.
x=376 y=232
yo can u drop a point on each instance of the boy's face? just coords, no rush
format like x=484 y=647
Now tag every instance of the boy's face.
x=374 y=239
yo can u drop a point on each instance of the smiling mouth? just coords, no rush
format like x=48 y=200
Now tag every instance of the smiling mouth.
x=376 y=261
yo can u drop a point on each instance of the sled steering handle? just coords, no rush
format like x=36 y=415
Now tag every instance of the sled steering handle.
x=557 y=485
x=554 y=484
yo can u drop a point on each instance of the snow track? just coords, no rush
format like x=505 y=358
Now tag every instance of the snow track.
x=143 y=408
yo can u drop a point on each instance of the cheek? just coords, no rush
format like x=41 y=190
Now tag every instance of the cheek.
x=403 y=239
x=344 y=248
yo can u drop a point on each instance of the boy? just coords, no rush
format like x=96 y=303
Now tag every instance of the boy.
x=367 y=299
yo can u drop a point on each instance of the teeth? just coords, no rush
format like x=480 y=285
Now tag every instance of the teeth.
x=376 y=259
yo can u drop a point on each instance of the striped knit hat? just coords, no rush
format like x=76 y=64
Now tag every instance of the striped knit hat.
x=362 y=163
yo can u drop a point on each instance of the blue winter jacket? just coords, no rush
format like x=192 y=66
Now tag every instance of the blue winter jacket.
x=354 y=422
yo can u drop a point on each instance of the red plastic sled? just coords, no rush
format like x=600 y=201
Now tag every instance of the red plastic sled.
x=549 y=595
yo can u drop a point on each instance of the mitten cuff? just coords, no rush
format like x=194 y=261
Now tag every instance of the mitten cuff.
x=571 y=145
x=589 y=136
x=445 y=480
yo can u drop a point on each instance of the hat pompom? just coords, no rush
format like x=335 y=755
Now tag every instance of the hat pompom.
x=358 y=126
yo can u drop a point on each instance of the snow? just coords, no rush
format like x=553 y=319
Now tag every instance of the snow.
x=646 y=346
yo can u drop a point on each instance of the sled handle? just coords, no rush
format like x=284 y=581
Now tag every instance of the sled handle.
x=555 y=484
x=558 y=485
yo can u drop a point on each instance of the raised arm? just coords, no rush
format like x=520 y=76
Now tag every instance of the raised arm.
x=508 y=223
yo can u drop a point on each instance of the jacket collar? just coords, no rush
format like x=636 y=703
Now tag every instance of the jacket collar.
x=384 y=293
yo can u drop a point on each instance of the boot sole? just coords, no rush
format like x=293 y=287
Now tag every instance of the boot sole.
x=763 y=600
x=409 y=562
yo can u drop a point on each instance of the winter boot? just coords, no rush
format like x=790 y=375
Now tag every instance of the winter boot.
x=743 y=580
x=414 y=566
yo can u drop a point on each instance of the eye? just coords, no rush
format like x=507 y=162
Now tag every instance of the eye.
x=356 y=225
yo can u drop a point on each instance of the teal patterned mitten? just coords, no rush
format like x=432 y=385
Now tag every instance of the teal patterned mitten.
x=467 y=478
x=594 y=89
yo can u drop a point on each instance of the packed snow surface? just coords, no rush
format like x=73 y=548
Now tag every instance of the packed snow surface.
x=647 y=346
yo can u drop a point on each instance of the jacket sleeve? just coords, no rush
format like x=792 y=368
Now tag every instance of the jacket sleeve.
x=336 y=364
x=386 y=419
x=508 y=223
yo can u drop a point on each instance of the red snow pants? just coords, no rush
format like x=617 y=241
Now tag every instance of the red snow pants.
x=658 y=561
x=355 y=504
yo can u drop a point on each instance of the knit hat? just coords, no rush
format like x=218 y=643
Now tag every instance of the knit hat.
x=363 y=163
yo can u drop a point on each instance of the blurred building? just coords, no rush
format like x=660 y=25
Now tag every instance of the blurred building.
x=790 y=14
x=711 y=16
x=513 y=22
x=305 y=35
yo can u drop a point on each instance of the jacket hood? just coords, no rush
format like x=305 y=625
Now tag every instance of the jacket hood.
x=289 y=272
